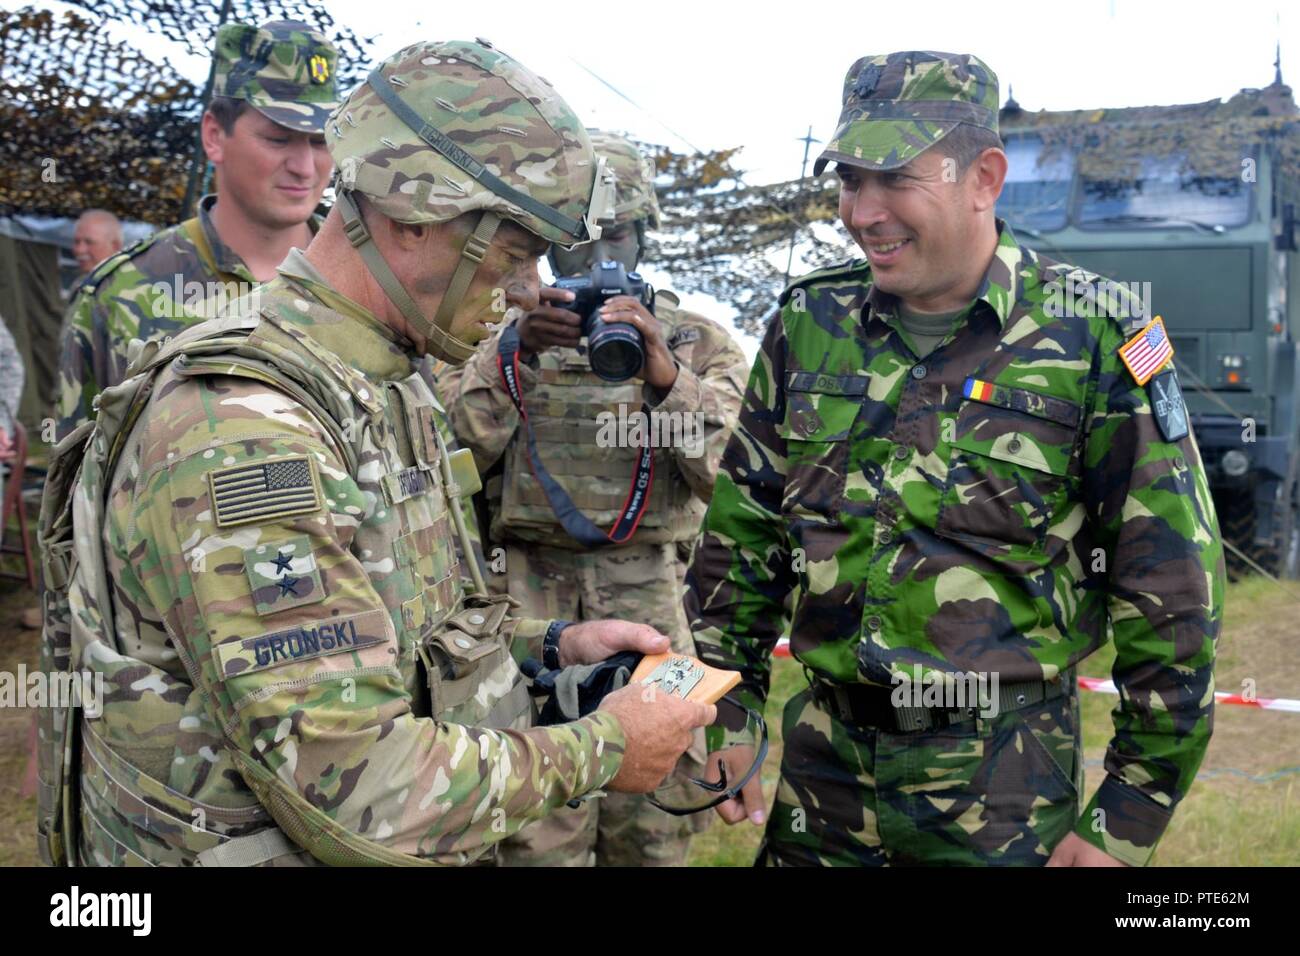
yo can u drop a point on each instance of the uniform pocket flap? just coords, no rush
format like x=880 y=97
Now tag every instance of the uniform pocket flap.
x=821 y=407
x=1015 y=437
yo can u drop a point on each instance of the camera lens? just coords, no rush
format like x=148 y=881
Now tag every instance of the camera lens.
x=616 y=350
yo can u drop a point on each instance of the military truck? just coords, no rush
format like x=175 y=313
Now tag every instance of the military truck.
x=1194 y=207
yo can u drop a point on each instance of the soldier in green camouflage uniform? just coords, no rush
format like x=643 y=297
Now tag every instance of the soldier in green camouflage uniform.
x=555 y=575
x=958 y=481
x=273 y=89
x=293 y=668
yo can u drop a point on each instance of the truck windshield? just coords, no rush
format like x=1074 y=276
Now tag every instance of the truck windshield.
x=1036 y=194
x=1164 y=195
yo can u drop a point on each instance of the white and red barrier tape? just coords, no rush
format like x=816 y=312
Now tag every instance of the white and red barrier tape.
x=1108 y=687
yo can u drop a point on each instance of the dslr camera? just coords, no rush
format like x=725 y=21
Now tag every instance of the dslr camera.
x=616 y=350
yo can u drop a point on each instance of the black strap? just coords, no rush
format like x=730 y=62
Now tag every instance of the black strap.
x=440 y=141
x=867 y=705
x=578 y=526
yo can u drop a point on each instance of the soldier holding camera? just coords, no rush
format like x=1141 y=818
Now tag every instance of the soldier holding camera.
x=601 y=528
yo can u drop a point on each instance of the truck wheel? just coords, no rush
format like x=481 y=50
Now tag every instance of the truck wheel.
x=1237 y=524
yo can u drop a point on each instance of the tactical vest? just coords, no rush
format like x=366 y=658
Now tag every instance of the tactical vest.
x=104 y=797
x=578 y=418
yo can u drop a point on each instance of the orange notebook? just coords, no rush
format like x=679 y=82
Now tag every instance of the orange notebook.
x=685 y=676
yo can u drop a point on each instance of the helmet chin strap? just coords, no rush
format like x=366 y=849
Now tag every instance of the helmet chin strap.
x=439 y=342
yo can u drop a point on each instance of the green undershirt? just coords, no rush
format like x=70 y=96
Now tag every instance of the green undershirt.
x=923 y=331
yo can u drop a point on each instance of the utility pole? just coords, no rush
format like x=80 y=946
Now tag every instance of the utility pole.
x=807 y=141
x=197 y=163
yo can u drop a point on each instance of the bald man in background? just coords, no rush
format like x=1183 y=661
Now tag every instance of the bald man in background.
x=98 y=235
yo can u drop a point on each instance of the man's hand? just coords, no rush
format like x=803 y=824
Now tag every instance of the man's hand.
x=549 y=325
x=1074 y=850
x=593 y=641
x=660 y=368
x=749 y=802
x=658 y=728
x=7 y=449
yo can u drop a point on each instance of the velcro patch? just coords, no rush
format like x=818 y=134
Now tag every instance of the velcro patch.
x=332 y=635
x=264 y=491
x=682 y=337
x=407 y=483
x=283 y=575
x=826 y=384
x=1167 y=405
x=1023 y=400
x=1148 y=351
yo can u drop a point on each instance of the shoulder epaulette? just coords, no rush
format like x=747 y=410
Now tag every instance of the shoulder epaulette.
x=1104 y=296
x=844 y=268
x=110 y=265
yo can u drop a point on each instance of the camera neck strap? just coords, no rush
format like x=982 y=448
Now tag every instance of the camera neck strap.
x=576 y=524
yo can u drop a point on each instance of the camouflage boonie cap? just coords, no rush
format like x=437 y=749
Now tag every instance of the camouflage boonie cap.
x=634 y=182
x=284 y=69
x=898 y=105
x=480 y=132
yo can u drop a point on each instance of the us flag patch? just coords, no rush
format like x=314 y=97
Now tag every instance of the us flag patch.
x=264 y=491
x=1148 y=351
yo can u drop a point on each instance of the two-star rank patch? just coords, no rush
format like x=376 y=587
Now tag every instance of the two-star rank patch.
x=1167 y=405
x=1148 y=351
x=264 y=491
x=283 y=574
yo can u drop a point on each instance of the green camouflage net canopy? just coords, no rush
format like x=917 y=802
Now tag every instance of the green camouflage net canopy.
x=91 y=121
x=1210 y=139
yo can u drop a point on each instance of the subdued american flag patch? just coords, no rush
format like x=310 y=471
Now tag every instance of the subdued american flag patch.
x=264 y=491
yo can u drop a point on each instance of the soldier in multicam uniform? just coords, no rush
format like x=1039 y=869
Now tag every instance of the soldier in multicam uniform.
x=293 y=669
x=958 y=484
x=264 y=133
x=693 y=369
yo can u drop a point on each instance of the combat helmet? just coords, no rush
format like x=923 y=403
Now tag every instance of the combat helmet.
x=634 y=174
x=441 y=129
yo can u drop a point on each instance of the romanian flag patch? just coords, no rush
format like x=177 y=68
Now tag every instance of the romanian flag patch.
x=977 y=390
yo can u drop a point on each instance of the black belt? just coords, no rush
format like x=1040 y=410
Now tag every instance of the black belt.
x=870 y=706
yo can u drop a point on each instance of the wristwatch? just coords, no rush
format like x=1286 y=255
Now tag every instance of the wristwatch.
x=551 y=645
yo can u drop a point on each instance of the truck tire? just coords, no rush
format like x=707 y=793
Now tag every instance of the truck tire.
x=1237 y=525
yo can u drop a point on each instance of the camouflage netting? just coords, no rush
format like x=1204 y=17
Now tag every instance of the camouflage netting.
x=93 y=122
x=1209 y=139
x=722 y=241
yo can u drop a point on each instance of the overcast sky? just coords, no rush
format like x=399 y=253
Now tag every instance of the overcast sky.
x=713 y=75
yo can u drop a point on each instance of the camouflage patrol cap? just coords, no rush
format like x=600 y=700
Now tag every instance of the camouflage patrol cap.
x=444 y=128
x=634 y=177
x=898 y=105
x=284 y=69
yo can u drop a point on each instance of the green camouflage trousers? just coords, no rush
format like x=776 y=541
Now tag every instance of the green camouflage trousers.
x=639 y=583
x=1002 y=790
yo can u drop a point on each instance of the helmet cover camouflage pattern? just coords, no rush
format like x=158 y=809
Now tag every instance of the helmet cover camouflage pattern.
x=634 y=177
x=284 y=69
x=491 y=111
x=898 y=105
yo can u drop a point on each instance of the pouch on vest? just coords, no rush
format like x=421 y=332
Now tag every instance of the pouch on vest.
x=473 y=678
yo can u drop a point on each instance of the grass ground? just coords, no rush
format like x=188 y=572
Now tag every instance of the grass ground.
x=1245 y=809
